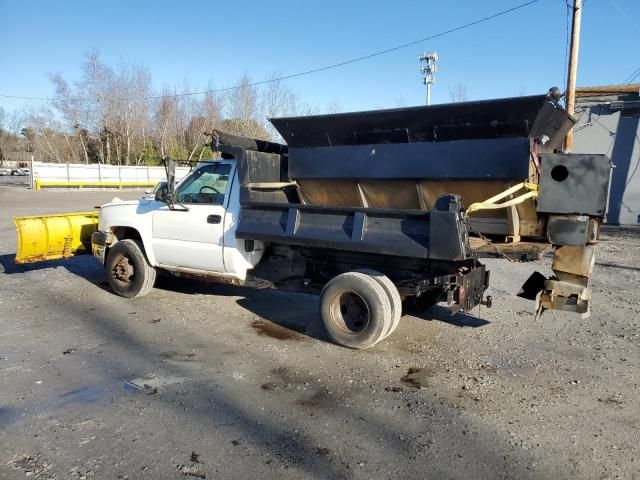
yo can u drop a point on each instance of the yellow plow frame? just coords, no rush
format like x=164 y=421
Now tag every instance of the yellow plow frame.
x=51 y=237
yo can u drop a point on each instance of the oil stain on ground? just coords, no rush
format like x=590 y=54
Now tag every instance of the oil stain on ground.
x=177 y=356
x=279 y=332
x=417 y=377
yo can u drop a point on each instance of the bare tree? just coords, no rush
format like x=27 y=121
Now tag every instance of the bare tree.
x=164 y=114
x=50 y=143
x=112 y=115
x=10 y=141
x=96 y=87
x=458 y=93
x=132 y=85
x=71 y=108
x=276 y=100
x=205 y=115
x=333 y=107
x=242 y=110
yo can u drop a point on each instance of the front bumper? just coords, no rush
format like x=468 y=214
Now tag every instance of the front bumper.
x=99 y=243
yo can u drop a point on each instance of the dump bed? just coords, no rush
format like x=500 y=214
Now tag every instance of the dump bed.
x=407 y=158
x=390 y=181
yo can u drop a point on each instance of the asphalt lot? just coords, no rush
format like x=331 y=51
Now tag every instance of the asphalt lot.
x=14 y=180
x=209 y=381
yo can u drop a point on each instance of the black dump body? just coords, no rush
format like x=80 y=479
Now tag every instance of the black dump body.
x=345 y=156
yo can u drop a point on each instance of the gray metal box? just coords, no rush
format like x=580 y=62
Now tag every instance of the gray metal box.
x=575 y=184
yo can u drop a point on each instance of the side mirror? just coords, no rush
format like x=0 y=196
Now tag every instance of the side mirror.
x=168 y=194
x=162 y=192
x=171 y=177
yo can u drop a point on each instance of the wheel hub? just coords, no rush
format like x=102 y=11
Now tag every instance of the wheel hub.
x=355 y=313
x=123 y=270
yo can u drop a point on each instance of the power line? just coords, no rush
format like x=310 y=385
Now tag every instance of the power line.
x=625 y=14
x=633 y=76
x=314 y=70
x=636 y=74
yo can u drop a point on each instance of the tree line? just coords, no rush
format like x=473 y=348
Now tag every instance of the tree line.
x=112 y=115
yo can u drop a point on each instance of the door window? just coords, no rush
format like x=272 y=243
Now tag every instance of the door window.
x=206 y=185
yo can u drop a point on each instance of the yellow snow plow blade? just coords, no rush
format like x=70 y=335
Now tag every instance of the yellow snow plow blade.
x=50 y=237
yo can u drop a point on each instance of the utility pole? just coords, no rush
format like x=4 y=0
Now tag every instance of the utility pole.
x=431 y=67
x=570 y=94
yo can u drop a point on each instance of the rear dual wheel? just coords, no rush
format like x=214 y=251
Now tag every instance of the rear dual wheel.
x=360 y=308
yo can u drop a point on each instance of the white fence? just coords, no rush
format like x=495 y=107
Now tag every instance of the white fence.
x=97 y=175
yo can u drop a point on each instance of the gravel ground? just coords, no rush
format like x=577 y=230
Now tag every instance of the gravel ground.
x=208 y=381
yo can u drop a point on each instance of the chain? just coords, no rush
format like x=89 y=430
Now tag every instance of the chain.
x=470 y=227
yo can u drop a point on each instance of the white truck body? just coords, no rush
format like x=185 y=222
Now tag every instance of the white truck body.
x=198 y=239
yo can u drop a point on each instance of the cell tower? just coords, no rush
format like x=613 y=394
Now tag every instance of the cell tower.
x=428 y=70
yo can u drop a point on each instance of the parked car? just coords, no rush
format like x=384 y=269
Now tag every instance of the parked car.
x=23 y=171
x=4 y=172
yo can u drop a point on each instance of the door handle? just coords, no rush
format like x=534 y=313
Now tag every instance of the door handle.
x=214 y=219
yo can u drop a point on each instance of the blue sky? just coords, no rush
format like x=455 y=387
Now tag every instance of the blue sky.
x=519 y=53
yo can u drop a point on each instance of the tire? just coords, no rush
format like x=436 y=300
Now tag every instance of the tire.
x=394 y=297
x=355 y=310
x=128 y=270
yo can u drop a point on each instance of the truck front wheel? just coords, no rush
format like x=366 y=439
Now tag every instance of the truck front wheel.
x=355 y=310
x=128 y=270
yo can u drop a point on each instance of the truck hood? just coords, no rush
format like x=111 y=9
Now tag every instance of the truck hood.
x=118 y=201
x=129 y=213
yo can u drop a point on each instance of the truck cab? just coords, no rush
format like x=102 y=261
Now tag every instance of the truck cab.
x=194 y=234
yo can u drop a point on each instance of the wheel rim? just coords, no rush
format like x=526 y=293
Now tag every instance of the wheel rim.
x=350 y=313
x=123 y=271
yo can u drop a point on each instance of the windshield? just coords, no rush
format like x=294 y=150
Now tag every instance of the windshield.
x=206 y=184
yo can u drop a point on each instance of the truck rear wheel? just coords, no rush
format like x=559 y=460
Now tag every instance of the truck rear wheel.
x=394 y=297
x=128 y=270
x=355 y=310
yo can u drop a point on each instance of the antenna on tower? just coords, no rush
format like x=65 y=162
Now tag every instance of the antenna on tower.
x=428 y=71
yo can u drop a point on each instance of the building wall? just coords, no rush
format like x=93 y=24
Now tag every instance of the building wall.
x=610 y=125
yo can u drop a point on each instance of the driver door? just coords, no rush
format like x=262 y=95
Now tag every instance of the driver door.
x=194 y=239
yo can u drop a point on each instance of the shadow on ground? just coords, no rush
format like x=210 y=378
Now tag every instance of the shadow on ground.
x=300 y=313
x=84 y=266
x=7 y=416
x=443 y=314
x=216 y=400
